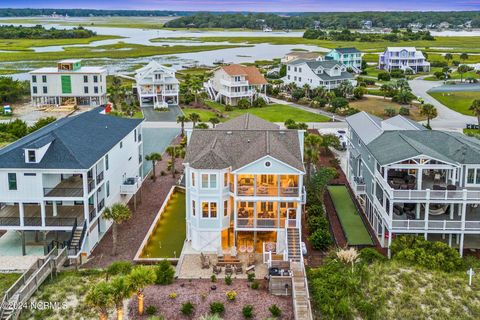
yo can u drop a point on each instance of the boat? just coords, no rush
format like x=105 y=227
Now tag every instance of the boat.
x=267 y=29
x=218 y=61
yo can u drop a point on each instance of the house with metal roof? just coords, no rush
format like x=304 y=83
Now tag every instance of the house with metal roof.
x=403 y=58
x=56 y=181
x=350 y=57
x=156 y=85
x=415 y=181
x=244 y=188
x=328 y=74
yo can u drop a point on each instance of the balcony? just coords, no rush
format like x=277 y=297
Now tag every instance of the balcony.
x=92 y=214
x=229 y=83
x=99 y=177
x=443 y=225
x=261 y=223
x=101 y=205
x=358 y=185
x=231 y=94
x=70 y=187
x=130 y=185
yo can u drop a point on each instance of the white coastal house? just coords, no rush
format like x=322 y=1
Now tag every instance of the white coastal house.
x=234 y=82
x=69 y=83
x=303 y=55
x=403 y=58
x=244 y=187
x=350 y=57
x=415 y=181
x=56 y=181
x=328 y=74
x=156 y=86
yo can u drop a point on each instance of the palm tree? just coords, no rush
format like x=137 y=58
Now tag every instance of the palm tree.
x=329 y=140
x=196 y=85
x=312 y=150
x=428 y=110
x=214 y=121
x=118 y=213
x=100 y=298
x=464 y=56
x=386 y=89
x=154 y=157
x=306 y=87
x=173 y=153
x=475 y=107
x=182 y=119
x=448 y=57
x=139 y=278
x=119 y=290
x=462 y=70
x=194 y=117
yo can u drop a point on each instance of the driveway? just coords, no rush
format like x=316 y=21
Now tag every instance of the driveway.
x=156 y=140
x=447 y=119
x=162 y=116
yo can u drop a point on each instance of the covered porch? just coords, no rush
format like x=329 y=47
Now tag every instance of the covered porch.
x=267 y=185
x=266 y=214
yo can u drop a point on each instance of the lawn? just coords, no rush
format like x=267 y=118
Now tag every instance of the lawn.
x=352 y=224
x=377 y=106
x=27 y=44
x=169 y=234
x=455 y=76
x=7 y=279
x=205 y=115
x=459 y=101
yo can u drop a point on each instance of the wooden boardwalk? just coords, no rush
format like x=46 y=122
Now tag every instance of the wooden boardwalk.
x=301 y=299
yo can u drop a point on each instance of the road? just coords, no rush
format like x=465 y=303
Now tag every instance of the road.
x=447 y=119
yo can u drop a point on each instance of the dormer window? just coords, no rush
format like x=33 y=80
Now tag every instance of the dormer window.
x=31 y=156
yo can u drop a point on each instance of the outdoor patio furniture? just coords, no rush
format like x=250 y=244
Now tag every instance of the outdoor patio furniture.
x=228 y=270
x=250 y=268
x=451 y=187
x=238 y=269
x=438 y=187
x=217 y=269
x=205 y=261
x=410 y=215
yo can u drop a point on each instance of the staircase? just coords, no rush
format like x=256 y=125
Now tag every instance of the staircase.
x=294 y=249
x=301 y=300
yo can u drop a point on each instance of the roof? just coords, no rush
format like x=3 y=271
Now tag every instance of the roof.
x=251 y=73
x=77 y=142
x=70 y=61
x=242 y=141
x=329 y=64
x=80 y=70
x=450 y=147
x=398 y=49
x=347 y=50
x=308 y=55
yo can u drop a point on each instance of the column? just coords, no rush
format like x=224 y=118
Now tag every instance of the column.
x=389 y=253
x=452 y=211
x=24 y=249
x=54 y=208
x=419 y=179
x=460 y=248
x=383 y=233
x=21 y=213
x=427 y=213
x=42 y=213
x=85 y=197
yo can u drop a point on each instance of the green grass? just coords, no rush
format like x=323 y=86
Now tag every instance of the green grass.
x=458 y=101
x=169 y=234
x=4 y=72
x=353 y=226
x=205 y=115
x=27 y=44
x=7 y=279
x=456 y=76
x=119 y=50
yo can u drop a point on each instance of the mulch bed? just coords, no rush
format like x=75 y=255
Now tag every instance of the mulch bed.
x=132 y=232
x=199 y=293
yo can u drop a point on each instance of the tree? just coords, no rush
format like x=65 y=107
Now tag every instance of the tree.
x=359 y=92
x=119 y=290
x=115 y=92
x=306 y=88
x=118 y=213
x=182 y=119
x=475 y=107
x=428 y=110
x=386 y=89
x=139 y=278
x=329 y=140
x=319 y=181
x=12 y=91
x=164 y=272
x=311 y=153
x=100 y=298
x=196 y=85
x=448 y=57
x=345 y=89
x=194 y=117
x=462 y=69
x=173 y=153
x=464 y=56
x=40 y=123
x=214 y=121
x=154 y=157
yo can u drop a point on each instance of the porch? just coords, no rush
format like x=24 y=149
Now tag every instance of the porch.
x=72 y=186
x=267 y=215
x=263 y=185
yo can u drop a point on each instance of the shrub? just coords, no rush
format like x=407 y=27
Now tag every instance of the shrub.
x=438 y=64
x=384 y=76
x=172 y=295
x=339 y=103
x=315 y=210
x=304 y=100
x=297 y=94
x=251 y=276
x=255 y=285
x=322 y=102
x=404 y=111
x=229 y=108
x=275 y=310
x=359 y=92
x=231 y=295
x=369 y=255
x=243 y=103
x=213 y=278
x=119 y=268
x=228 y=280
x=390 y=112
x=247 y=311
x=151 y=310
x=187 y=308
x=259 y=103
x=217 y=307
x=165 y=273
x=397 y=73
x=321 y=239
x=317 y=222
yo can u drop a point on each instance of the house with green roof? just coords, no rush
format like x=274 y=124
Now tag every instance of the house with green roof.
x=415 y=181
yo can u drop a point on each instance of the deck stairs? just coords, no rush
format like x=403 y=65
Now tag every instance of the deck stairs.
x=293 y=242
x=210 y=91
x=301 y=299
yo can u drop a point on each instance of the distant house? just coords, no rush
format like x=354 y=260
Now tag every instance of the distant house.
x=367 y=24
x=304 y=55
x=156 y=85
x=69 y=83
x=234 y=82
x=444 y=25
x=403 y=58
x=350 y=57
x=327 y=74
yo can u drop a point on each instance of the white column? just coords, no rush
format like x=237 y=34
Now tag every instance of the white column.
x=85 y=197
x=419 y=179
x=54 y=208
x=383 y=233
x=42 y=212
x=452 y=210
x=460 y=248
x=427 y=213
x=389 y=253
x=450 y=240
x=21 y=213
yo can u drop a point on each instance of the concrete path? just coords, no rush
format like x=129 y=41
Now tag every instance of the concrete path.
x=162 y=116
x=447 y=118
x=305 y=108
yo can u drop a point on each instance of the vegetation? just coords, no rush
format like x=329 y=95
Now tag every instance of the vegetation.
x=164 y=272
x=459 y=101
x=247 y=311
x=428 y=110
x=154 y=157
x=14 y=130
x=118 y=213
x=40 y=32
x=187 y=309
x=475 y=108
x=6 y=280
x=217 y=307
x=347 y=35
x=12 y=91
x=138 y=279
x=275 y=310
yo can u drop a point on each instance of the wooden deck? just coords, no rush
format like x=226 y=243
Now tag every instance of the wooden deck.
x=10 y=215
x=71 y=187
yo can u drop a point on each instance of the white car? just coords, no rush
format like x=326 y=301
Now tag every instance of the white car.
x=304 y=248
x=342 y=136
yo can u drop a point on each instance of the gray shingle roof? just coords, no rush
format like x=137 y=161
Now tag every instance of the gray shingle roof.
x=327 y=64
x=238 y=142
x=347 y=50
x=77 y=142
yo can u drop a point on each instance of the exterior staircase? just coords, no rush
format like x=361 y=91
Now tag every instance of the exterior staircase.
x=301 y=300
x=294 y=248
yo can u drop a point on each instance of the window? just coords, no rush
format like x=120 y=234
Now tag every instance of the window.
x=299 y=69
x=95 y=79
x=193 y=179
x=135 y=135
x=106 y=162
x=121 y=144
x=225 y=179
x=95 y=89
x=205 y=210
x=295 y=78
x=45 y=90
x=31 y=156
x=209 y=209
x=295 y=69
x=85 y=89
x=471 y=176
x=288 y=77
x=44 y=78
x=288 y=68
x=85 y=79
x=12 y=181
x=213 y=181
x=237 y=78
x=204 y=181
x=225 y=208
x=193 y=208
x=108 y=188
x=29 y=174
x=34 y=78
x=34 y=90
x=300 y=79
x=209 y=181
x=213 y=209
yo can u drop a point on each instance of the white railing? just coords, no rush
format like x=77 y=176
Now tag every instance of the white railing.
x=247 y=93
x=434 y=225
x=130 y=188
x=229 y=83
x=261 y=223
x=267 y=191
x=168 y=92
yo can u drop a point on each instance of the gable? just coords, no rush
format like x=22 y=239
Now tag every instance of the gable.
x=260 y=166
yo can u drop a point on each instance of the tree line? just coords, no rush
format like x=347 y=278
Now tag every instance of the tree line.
x=31 y=12
x=347 y=35
x=39 y=32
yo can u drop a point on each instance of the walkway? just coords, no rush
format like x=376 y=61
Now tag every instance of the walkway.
x=447 y=119
x=163 y=116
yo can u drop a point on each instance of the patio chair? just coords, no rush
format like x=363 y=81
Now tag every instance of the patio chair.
x=228 y=270
x=205 y=261
x=238 y=269
x=217 y=269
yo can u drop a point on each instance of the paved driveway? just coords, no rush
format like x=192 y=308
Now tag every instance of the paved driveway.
x=162 y=116
x=156 y=140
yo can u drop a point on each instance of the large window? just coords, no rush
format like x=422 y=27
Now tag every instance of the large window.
x=193 y=179
x=12 y=181
x=31 y=156
x=209 y=209
x=225 y=179
x=209 y=181
x=473 y=176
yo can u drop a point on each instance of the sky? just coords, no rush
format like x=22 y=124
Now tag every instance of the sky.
x=253 y=5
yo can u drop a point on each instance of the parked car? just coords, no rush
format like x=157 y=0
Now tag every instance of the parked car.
x=304 y=248
x=342 y=136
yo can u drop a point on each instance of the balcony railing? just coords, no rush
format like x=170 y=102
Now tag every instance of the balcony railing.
x=99 y=177
x=266 y=191
x=422 y=225
x=139 y=137
x=229 y=83
x=130 y=186
x=91 y=185
x=261 y=223
x=92 y=214
x=100 y=205
x=62 y=192
x=359 y=185
x=237 y=94
x=37 y=221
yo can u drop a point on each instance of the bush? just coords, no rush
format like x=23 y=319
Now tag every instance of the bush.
x=339 y=103
x=229 y=108
x=255 y=285
x=275 y=310
x=321 y=239
x=187 y=308
x=322 y=102
x=315 y=210
x=317 y=222
x=165 y=273
x=390 y=112
x=251 y=276
x=119 y=268
x=217 y=307
x=397 y=73
x=228 y=280
x=304 y=100
x=369 y=255
x=404 y=111
x=231 y=295
x=247 y=311
x=383 y=76
x=213 y=278
x=259 y=103
x=151 y=310
x=172 y=295
x=359 y=92
x=438 y=64
x=297 y=94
